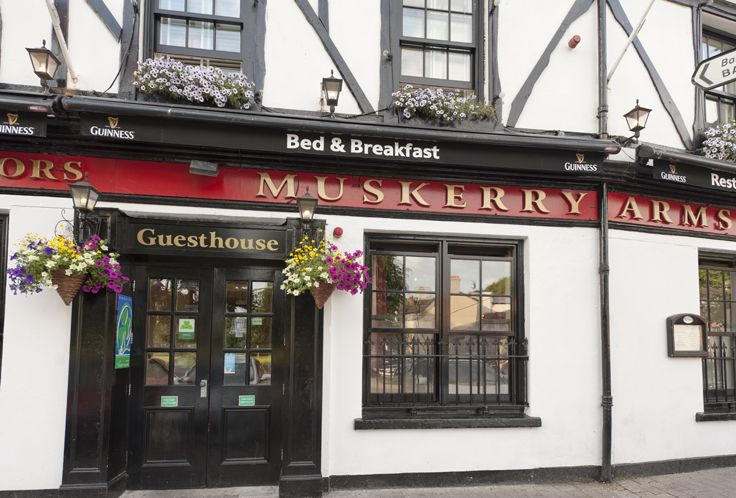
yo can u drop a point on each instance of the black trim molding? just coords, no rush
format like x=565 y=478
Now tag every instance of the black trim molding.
x=714 y=417
x=446 y=423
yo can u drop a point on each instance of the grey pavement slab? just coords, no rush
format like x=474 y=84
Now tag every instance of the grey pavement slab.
x=712 y=483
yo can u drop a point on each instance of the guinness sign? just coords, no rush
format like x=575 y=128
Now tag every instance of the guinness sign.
x=696 y=176
x=23 y=124
x=117 y=128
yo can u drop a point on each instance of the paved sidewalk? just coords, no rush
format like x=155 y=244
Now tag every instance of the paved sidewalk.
x=714 y=483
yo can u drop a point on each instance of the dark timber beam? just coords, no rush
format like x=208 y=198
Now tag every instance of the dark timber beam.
x=387 y=65
x=129 y=48
x=334 y=53
x=104 y=14
x=62 y=8
x=664 y=95
x=699 y=121
x=324 y=13
x=494 y=95
x=517 y=106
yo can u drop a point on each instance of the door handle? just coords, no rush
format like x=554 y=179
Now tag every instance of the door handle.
x=203 y=388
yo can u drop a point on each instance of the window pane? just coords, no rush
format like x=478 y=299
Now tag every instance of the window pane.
x=464 y=276
x=228 y=37
x=412 y=62
x=388 y=273
x=414 y=3
x=234 y=369
x=497 y=277
x=418 y=367
x=413 y=23
x=464 y=313
x=230 y=8
x=703 y=278
x=157 y=369
x=711 y=111
x=158 y=331
x=201 y=35
x=187 y=295
x=420 y=273
x=186 y=332
x=262 y=297
x=199 y=6
x=173 y=32
x=420 y=310
x=726 y=113
x=438 y=25
x=461 y=28
x=704 y=311
x=236 y=297
x=171 y=5
x=496 y=314
x=435 y=64
x=235 y=332
x=460 y=66
x=438 y=4
x=715 y=284
x=717 y=317
x=260 y=332
x=385 y=351
x=386 y=310
x=159 y=294
x=462 y=6
x=478 y=367
x=260 y=368
x=185 y=368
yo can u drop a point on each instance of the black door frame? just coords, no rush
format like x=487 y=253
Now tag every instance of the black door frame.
x=96 y=453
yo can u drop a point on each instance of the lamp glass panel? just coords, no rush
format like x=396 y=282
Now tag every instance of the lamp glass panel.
x=332 y=89
x=92 y=199
x=51 y=65
x=39 y=60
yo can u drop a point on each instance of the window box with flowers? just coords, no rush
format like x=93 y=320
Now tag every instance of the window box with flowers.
x=424 y=107
x=720 y=142
x=167 y=80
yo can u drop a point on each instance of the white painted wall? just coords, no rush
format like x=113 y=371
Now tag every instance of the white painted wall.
x=25 y=24
x=556 y=377
x=656 y=397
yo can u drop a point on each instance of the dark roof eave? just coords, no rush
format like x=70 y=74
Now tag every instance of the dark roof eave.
x=646 y=152
x=336 y=125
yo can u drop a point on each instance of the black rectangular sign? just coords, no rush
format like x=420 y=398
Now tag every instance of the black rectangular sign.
x=694 y=176
x=121 y=128
x=22 y=124
x=204 y=240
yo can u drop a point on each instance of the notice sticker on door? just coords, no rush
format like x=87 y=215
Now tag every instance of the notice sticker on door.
x=257 y=321
x=247 y=400
x=186 y=329
x=239 y=327
x=169 y=401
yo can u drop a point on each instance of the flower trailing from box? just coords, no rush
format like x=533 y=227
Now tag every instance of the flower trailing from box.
x=40 y=262
x=317 y=264
x=445 y=106
x=720 y=142
x=178 y=82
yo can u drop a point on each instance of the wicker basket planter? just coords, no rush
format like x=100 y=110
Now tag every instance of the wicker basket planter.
x=67 y=285
x=321 y=294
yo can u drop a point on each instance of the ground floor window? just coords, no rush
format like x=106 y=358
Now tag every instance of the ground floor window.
x=718 y=308
x=443 y=330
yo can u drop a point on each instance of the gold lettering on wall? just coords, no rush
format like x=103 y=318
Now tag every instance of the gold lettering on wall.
x=407 y=193
x=533 y=201
x=322 y=191
x=661 y=211
x=371 y=186
x=689 y=218
x=630 y=207
x=287 y=182
x=211 y=240
x=493 y=195
x=454 y=196
x=573 y=202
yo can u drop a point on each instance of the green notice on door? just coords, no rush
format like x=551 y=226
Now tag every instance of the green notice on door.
x=247 y=400
x=169 y=401
x=186 y=329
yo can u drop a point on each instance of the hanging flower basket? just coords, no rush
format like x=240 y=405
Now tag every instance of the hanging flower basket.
x=39 y=263
x=321 y=294
x=320 y=268
x=67 y=285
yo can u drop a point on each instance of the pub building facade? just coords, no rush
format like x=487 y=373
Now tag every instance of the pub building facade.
x=550 y=299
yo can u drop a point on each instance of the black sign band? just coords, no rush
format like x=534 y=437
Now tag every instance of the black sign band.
x=694 y=176
x=22 y=124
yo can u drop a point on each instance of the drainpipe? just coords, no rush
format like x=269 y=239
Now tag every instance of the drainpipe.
x=606 y=398
x=602 y=70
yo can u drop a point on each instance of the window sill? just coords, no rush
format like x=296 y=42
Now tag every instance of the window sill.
x=714 y=416
x=446 y=423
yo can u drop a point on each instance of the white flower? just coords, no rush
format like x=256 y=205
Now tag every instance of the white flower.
x=68 y=272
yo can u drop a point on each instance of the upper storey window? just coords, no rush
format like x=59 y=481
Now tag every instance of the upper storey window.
x=207 y=32
x=438 y=42
x=719 y=102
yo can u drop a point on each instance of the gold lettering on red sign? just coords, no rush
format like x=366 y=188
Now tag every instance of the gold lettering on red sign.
x=630 y=206
x=455 y=195
x=371 y=186
x=723 y=216
x=407 y=193
x=44 y=166
x=533 y=201
x=73 y=171
x=288 y=182
x=573 y=202
x=661 y=212
x=689 y=218
x=20 y=168
x=322 y=191
x=493 y=195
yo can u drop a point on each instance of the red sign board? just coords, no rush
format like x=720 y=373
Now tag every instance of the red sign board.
x=115 y=176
